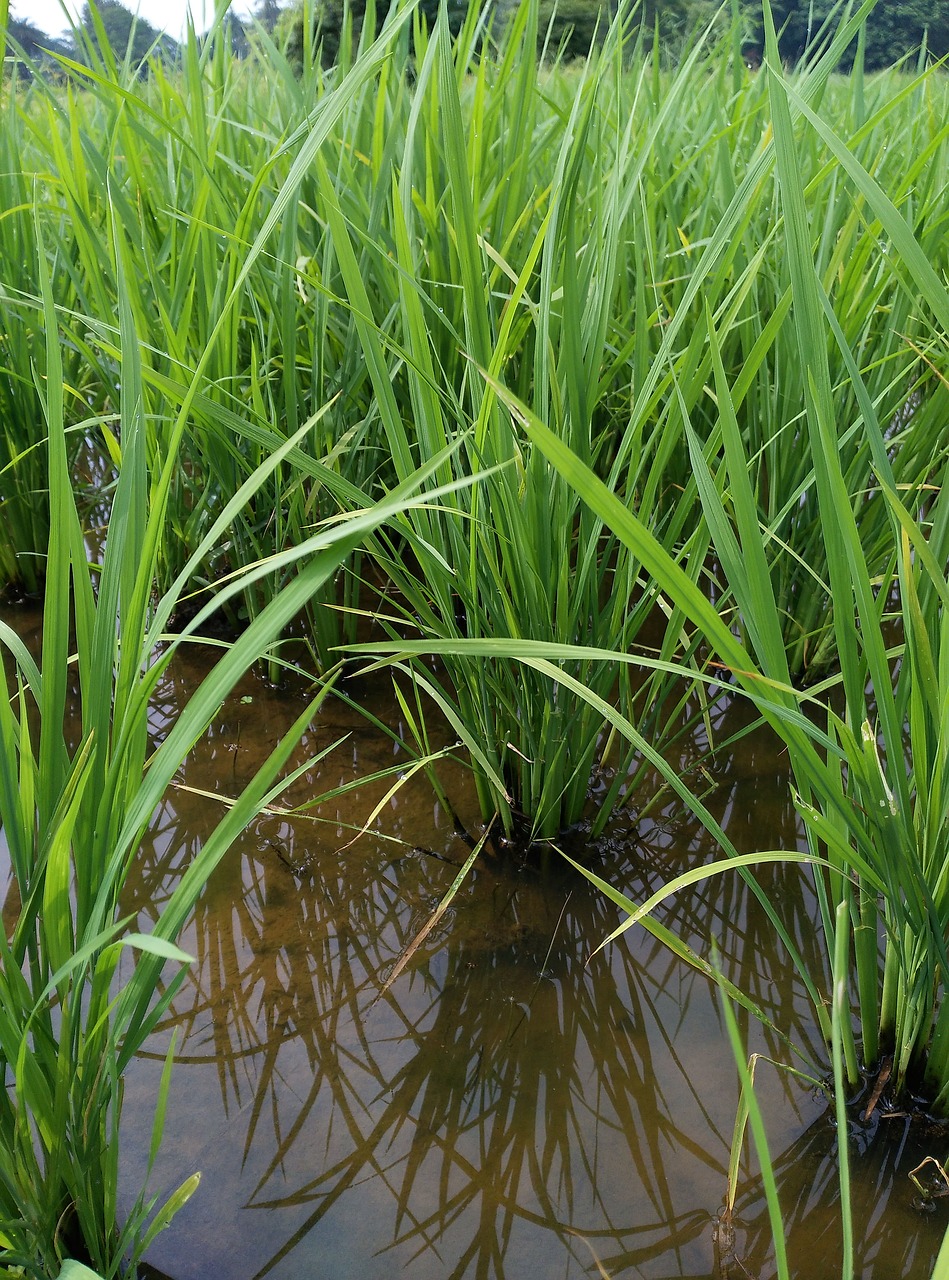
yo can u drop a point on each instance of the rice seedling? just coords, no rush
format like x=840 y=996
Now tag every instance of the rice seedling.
x=871 y=802
x=588 y=347
x=523 y=559
x=63 y=808
x=872 y=798
x=191 y=202
x=24 y=498
x=530 y=221
x=881 y=326
x=66 y=1034
x=870 y=779
x=73 y=814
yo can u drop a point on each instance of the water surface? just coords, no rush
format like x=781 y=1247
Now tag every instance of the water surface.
x=516 y=1103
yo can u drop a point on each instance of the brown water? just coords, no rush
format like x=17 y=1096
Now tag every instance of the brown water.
x=512 y=1105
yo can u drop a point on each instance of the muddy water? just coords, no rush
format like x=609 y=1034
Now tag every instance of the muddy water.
x=512 y=1105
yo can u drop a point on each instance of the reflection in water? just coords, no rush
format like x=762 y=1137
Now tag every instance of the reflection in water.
x=498 y=1100
x=510 y=1107
x=894 y=1236
x=505 y=1108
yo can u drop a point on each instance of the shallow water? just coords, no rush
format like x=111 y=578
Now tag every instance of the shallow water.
x=513 y=1105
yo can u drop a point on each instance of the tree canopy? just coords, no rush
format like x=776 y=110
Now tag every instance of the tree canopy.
x=26 y=38
x=110 y=21
x=126 y=34
x=895 y=28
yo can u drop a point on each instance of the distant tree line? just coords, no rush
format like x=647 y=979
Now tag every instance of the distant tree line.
x=110 y=25
x=26 y=40
x=896 y=29
x=570 y=27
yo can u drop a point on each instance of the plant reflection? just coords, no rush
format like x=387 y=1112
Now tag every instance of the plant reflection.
x=507 y=1098
x=510 y=1106
x=894 y=1235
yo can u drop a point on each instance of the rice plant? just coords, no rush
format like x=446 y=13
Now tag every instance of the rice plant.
x=522 y=559
x=546 y=224
x=73 y=816
x=198 y=168
x=74 y=811
x=24 y=498
x=868 y=750
x=600 y=326
x=686 y=325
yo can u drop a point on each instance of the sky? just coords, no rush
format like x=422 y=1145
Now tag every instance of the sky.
x=164 y=15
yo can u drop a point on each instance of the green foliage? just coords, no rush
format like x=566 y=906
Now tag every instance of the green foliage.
x=109 y=29
x=520 y=559
x=332 y=21
x=29 y=45
x=646 y=309
x=76 y=800
x=24 y=498
x=894 y=29
x=267 y=14
x=73 y=1270
x=336 y=26
x=870 y=768
x=509 y=235
x=572 y=28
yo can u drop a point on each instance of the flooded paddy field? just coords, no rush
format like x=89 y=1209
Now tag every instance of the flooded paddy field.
x=587 y=388
x=516 y=1103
